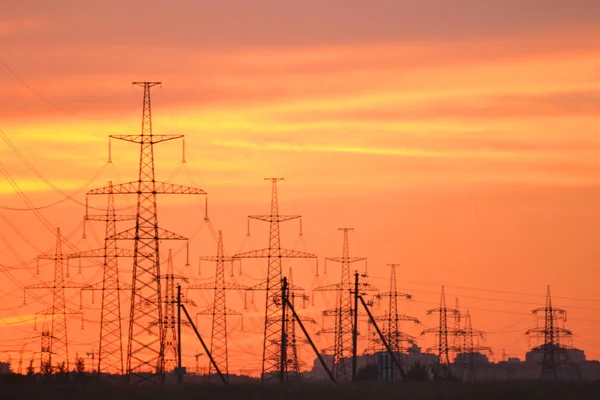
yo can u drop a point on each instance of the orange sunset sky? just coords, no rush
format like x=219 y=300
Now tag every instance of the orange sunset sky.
x=460 y=141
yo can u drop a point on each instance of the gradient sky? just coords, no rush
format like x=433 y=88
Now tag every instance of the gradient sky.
x=459 y=141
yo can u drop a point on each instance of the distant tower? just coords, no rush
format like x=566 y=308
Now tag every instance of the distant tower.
x=274 y=253
x=470 y=348
x=45 y=351
x=145 y=346
x=110 y=353
x=58 y=356
x=391 y=319
x=457 y=339
x=442 y=331
x=219 y=310
x=342 y=348
x=552 y=332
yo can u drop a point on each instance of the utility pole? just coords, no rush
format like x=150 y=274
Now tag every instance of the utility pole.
x=145 y=347
x=442 y=349
x=272 y=357
x=551 y=332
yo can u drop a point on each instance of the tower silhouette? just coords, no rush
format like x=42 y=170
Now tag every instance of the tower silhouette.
x=58 y=354
x=552 y=332
x=470 y=348
x=442 y=331
x=145 y=346
x=343 y=313
x=391 y=319
x=110 y=352
x=274 y=253
x=219 y=310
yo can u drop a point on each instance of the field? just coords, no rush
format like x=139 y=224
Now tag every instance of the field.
x=514 y=390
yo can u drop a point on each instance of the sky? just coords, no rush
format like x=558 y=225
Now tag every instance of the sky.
x=459 y=141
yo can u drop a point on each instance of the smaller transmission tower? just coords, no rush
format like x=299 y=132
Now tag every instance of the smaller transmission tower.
x=45 y=351
x=58 y=355
x=391 y=319
x=219 y=310
x=470 y=348
x=457 y=339
x=552 y=332
x=343 y=313
x=443 y=347
x=272 y=356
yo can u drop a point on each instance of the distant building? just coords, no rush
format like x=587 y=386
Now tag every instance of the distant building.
x=4 y=368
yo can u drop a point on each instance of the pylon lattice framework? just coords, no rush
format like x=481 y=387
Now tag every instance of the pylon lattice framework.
x=343 y=328
x=219 y=310
x=391 y=320
x=442 y=331
x=58 y=354
x=274 y=253
x=145 y=347
x=552 y=332
x=470 y=347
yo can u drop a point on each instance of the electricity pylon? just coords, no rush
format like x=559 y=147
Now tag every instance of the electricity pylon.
x=45 y=351
x=391 y=319
x=443 y=347
x=470 y=348
x=145 y=347
x=457 y=341
x=58 y=356
x=552 y=332
x=169 y=324
x=343 y=313
x=219 y=310
x=292 y=363
x=110 y=353
x=274 y=253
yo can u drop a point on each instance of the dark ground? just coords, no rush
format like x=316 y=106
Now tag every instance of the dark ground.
x=372 y=391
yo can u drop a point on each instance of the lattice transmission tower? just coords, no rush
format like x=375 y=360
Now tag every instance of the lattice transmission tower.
x=274 y=254
x=58 y=354
x=110 y=353
x=552 y=332
x=442 y=331
x=219 y=310
x=145 y=346
x=471 y=348
x=343 y=313
x=391 y=319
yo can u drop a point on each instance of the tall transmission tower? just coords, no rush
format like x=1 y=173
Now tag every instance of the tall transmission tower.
x=110 y=353
x=274 y=253
x=443 y=347
x=344 y=325
x=551 y=332
x=58 y=354
x=470 y=348
x=219 y=310
x=457 y=339
x=145 y=347
x=391 y=319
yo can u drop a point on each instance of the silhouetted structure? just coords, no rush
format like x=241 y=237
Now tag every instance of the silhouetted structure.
x=552 y=332
x=145 y=347
x=343 y=313
x=471 y=349
x=274 y=253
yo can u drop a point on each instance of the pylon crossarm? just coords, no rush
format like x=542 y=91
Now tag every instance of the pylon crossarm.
x=396 y=294
x=110 y=218
x=274 y=218
x=101 y=253
x=54 y=257
x=329 y=288
x=268 y=253
x=163 y=234
x=345 y=259
x=216 y=258
x=149 y=139
x=134 y=188
x=212 y=286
